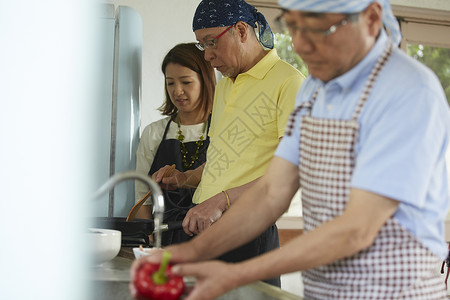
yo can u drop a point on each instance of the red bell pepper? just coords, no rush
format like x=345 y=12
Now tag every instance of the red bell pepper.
x=157 y=282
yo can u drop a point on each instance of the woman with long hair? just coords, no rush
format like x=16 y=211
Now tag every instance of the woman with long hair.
x=181 y=138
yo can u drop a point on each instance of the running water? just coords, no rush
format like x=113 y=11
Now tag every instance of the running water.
x=157 y=230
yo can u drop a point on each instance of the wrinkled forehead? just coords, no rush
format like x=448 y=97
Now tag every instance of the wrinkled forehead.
x=205 y=34
x=303 y=14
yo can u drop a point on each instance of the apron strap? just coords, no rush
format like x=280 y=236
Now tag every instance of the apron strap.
x=291 y=122
x=208 y=125
x=166 y=130
x=372 y=77
x=364 y=96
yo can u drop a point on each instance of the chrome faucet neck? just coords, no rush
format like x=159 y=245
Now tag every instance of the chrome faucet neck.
x=157 y=196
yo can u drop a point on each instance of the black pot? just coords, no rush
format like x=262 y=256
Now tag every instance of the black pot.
x=134 y=233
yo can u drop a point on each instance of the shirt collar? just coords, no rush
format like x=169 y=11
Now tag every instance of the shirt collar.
x=346 y=80
x=260 y=70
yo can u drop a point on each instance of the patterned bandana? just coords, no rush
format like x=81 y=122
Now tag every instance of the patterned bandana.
x=347 y=7
x=222 y=13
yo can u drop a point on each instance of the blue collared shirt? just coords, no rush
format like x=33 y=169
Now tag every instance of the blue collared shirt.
x=404 y=133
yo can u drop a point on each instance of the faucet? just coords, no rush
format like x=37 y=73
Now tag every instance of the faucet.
x=158 y=198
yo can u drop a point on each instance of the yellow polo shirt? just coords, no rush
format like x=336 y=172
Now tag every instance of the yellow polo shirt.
x=248 y=118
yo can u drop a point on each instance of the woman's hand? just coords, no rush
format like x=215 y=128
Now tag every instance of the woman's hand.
x=169 y=178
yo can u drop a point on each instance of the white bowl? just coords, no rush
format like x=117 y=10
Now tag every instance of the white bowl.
x=139 y=253
x=104 y=244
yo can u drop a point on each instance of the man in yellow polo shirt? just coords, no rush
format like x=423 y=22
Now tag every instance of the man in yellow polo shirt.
x=251 y=107
x=248 y=118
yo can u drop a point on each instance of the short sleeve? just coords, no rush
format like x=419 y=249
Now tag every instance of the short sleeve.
x=287 y=101
x=390 y=154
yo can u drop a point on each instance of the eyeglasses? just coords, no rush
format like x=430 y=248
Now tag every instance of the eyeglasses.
x=313 y=34
x=211 y=43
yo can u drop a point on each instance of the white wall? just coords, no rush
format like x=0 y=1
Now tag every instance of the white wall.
x=166 y=23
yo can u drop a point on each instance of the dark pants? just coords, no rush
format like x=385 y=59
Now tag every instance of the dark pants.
x=266 y=242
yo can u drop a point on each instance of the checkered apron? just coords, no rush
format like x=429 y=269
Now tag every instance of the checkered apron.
x=397 y=265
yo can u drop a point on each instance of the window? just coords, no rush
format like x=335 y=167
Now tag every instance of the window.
x=283 y=44
x=437 y=59
x=429 y=44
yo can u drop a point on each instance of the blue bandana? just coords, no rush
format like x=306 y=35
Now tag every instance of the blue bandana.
x=222 y=13
x=347 y=7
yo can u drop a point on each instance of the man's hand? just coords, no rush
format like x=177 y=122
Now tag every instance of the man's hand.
x=203 y=215
x=212 y=278
x=183 y=252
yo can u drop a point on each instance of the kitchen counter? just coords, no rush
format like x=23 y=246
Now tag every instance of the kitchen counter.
x=110 y=281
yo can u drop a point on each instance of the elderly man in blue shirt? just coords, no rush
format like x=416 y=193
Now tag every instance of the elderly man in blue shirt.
x=366 y=144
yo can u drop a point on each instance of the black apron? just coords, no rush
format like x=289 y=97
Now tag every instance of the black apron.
x=266 y=242
x=177 y=202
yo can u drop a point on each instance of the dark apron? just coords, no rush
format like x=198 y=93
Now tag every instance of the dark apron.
x=266 y=242
x=177 y=202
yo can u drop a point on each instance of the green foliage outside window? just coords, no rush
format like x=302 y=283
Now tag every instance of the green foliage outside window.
x=437 y=59
x=283 y=44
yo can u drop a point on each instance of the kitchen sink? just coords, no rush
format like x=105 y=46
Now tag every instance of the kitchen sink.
x=110 y=280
